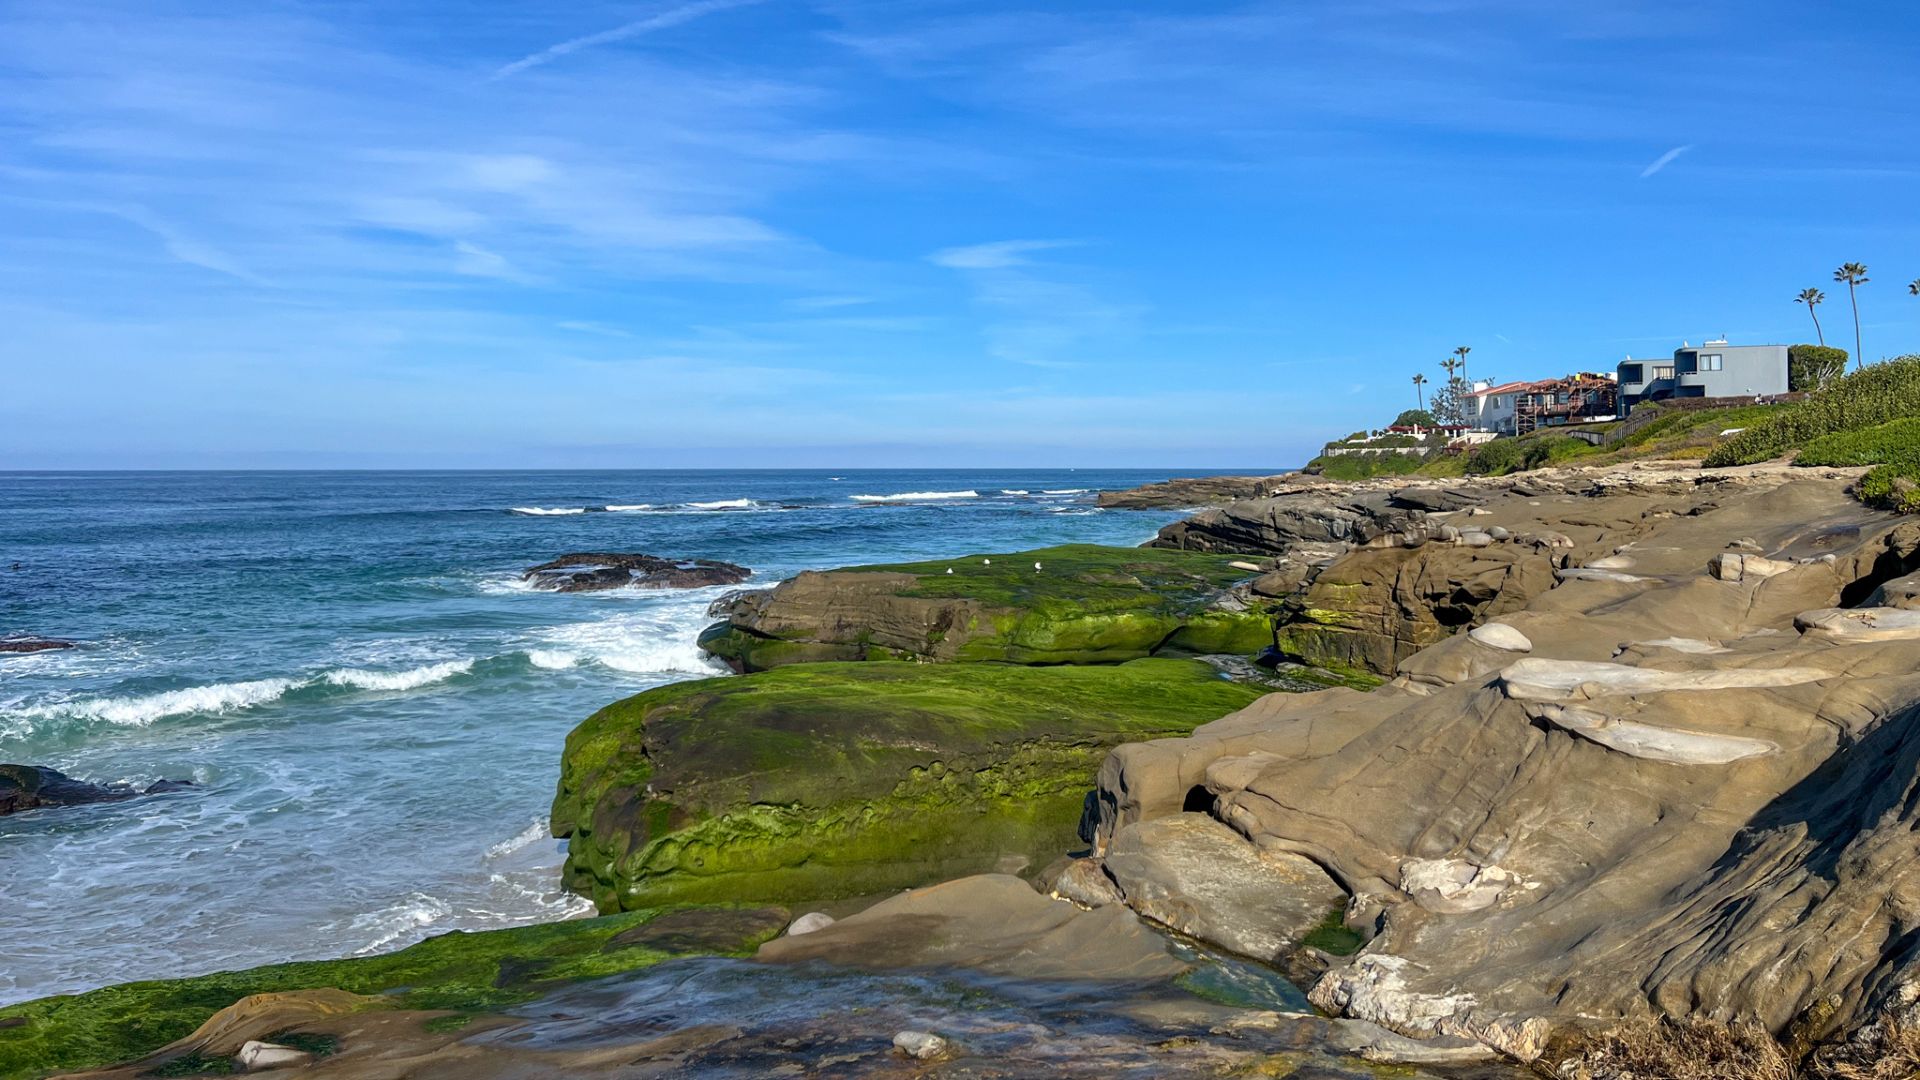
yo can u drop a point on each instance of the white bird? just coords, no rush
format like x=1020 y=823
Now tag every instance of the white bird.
x=986 y=562
x=1036 y=566
x=949 y=569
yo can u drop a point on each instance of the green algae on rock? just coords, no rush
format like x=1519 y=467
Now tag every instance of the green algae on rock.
x=834 y=780
x=459 y=972
x=1074 y=604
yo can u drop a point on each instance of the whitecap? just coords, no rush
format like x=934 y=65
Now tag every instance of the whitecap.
x=547 y=511
x=551 y=659
x=917 y=496
x=618 y=508
x=411 y=679
x=1014 y=491
x=141 y=710
x=722 y=504
x=657 y=640
x=1064 y=491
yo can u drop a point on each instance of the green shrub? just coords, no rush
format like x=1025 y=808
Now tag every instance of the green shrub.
x=1897 y=443
x=1415 y=418
x=1892 y=487
x=1502 y=456
x=1863 y=399
x=1365 y=466
x=1810 y=367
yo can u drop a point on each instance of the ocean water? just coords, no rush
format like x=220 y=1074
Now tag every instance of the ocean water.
x=370 y=705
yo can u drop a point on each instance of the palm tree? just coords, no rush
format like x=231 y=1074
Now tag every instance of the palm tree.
x=1462 y=352
x=1813 y=298
x=1419 y=397
x=1450 y=365
x=1914 y=286
x=1855 y=275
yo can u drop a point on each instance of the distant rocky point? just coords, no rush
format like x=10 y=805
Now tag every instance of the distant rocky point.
x=1195 y=491
x=595 y=571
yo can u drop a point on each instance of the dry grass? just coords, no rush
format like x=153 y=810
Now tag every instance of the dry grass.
x=1889 y=1049
x=1682 y=1050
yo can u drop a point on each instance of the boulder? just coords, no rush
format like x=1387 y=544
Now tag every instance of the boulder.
x=808 y=923
x=1086 y=604
x=818 y=781
x=1373 y=608
x=31 y=787
x=599 y=571
x=256 y=1056
x=1193 y=874
x=920 y=1045
x=1501 y=636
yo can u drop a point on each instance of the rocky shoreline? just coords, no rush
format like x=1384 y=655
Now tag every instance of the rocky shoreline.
x=1594 y=747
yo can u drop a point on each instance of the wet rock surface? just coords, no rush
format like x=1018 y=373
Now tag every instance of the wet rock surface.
x=599 y=571
x=29 y=643
x=36 y=787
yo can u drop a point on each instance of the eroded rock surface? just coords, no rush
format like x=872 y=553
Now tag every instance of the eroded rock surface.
x=1698 y=793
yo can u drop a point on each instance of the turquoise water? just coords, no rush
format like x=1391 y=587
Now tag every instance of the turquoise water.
x=371 y=706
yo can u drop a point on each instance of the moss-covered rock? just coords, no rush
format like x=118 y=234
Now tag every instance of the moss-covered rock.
x=832 y=780
x=1374 y=607
x=1083 y=604
x=462 y=972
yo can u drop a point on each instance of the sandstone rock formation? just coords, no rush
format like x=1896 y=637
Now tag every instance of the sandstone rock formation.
x=1083 y=604
x=1697 y=794
x=598 y=571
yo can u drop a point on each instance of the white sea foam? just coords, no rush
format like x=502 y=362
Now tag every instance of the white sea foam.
x=410 y=679
x=1014 y=491
x=627 y=508
x=389 y=925
x=548 y=511
x=532 y=834
x=144 y=709
x=1064 y=491
x=659 y=639
x=917 y=496
x=722 y=504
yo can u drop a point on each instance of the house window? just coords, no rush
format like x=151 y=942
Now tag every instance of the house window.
x=1633 y=374
x=1665 y=371
x=1709 y=362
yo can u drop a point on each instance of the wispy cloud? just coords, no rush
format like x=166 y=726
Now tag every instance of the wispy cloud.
x=994 y=256
x=1664 y=160
x=184 y=248
x=672 y=17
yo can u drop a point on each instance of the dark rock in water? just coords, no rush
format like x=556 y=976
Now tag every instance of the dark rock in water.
x=27 y=643
x=594 y=571
x=31 y=787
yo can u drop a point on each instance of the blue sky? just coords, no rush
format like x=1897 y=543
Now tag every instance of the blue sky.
x=827 y=233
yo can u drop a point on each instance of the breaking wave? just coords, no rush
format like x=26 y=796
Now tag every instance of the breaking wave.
x=547 y=511
x=917 y=496
x=142 y=710
x=362 y=679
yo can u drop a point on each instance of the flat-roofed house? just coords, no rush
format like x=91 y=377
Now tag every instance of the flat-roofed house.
x=1714 y=369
